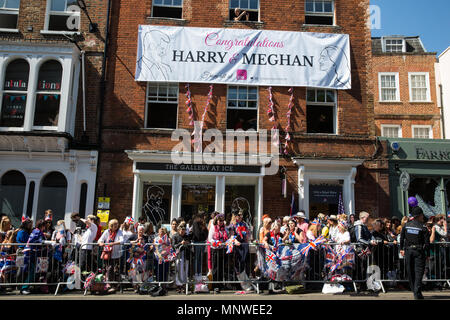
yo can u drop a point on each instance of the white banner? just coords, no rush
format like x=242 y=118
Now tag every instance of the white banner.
x=243 y=57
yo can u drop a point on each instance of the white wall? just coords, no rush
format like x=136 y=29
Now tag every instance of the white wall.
x=443 y=71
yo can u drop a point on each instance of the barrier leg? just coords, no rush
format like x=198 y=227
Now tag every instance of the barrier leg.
x=354 y=286
x=57 y=288
x=382 y=287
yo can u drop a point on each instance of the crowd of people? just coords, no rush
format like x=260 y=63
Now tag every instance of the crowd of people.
x=199 y=248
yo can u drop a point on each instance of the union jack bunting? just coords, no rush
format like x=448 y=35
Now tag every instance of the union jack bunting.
x=365 y=253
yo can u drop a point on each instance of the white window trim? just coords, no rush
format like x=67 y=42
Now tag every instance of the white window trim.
x=383 y=44
x=422 y=126
x=397 y=84
x=427 y=81
x=256 y=109
x=69 y=63
x=323 y=14
x=330 y=104
x=168 y=6
x=399 y=127
x=167 y=102
x=48 y=12
x=252 y=10
x=10 y=11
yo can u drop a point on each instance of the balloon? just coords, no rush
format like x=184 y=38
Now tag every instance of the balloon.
x=412 y=201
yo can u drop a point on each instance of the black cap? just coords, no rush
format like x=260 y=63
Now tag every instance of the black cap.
x=416 y=211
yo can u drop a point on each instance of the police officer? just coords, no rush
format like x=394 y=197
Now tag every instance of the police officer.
x=414 y=240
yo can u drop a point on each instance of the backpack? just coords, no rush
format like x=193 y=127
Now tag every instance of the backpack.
x=146 y=288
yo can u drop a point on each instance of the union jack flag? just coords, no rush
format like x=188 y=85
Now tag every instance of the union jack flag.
x=365 y=253
x=88 y=281
x=230 y=244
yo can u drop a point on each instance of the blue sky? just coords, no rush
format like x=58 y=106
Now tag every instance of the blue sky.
x=429 y=19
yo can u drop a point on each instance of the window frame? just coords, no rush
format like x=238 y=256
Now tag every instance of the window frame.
x=397 y=86
x=420 y=126
x=147 y=101
x=168 y=6
x=3 y=69
x=237 y=108
x=427 y=82
x=334 y=105
x=10 y=11
x=384 y=44
x=251 y=10
x=322 y=14
x=49 y=12
x=385 y=126
x=37 y=91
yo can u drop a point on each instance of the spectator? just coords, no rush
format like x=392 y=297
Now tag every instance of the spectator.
x=5 y=226
x=162 y=247
x=111 y=241
x=180 y=241
x=33 y=250
x=87 y=239
x=332 y=227
x=199 y=236
x=351 y=220
x=49 y=229
x=272 y=241
x=99 y=229
x=302 y=224
x=173 y=227
x=362 y=233
x=439 y=229
x=284 y=225
x=127 y=228
x=380 y=250
x=313 y=231
x=210 y=235
x=218 y=254
x=238 y=15
x=24 y=232
x=291 y=236
x=438 y=235
x=139 y=252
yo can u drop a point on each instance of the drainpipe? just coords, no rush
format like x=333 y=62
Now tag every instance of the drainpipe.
x=441 y=97
x=102 y=101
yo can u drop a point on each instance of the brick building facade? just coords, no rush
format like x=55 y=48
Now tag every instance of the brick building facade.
x=48 y=132
x=344 y=159
x=405 y=89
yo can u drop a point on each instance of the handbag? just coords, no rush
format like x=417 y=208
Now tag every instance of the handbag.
x=106 y=253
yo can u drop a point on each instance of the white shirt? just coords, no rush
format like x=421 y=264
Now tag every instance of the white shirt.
x=341 y=238
x=88 y=237
x=333 y=231
x=117 y=249
x=126 y=235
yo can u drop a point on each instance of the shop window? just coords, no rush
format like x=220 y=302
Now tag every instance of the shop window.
x=48 y=95
x=197 y=197
x=389 y=87
x=319 y=12
x=394 y=45
x=167 y=9
x=63 y=15
x=12 y=193
x=157 y=203
x=162 y=105
x=422 y=132
x=83 y=197
x=321 y=111
x=15 y=90
x=9 y=12
x=52 y=195
x=241 y=197
x=391 y=131
x=419 y=87
x=244 y=10
x=242 y=107
x=428 y=194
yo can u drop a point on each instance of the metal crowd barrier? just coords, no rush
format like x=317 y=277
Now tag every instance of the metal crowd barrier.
x=202 y=267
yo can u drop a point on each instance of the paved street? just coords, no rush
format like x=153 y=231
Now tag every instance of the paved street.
x=128 y=295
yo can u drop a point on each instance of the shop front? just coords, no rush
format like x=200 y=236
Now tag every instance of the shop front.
x=427 y=167
x=163 y=191
x=326 y=186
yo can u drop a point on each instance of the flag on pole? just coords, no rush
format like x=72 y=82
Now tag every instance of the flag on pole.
x=341 y=209
x=292 y=204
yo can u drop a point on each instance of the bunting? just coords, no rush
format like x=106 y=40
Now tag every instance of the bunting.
x=271 y=115
x=288 y=116
x=189 y=105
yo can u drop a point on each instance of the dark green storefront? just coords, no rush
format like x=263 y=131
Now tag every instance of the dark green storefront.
x=428 y=164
